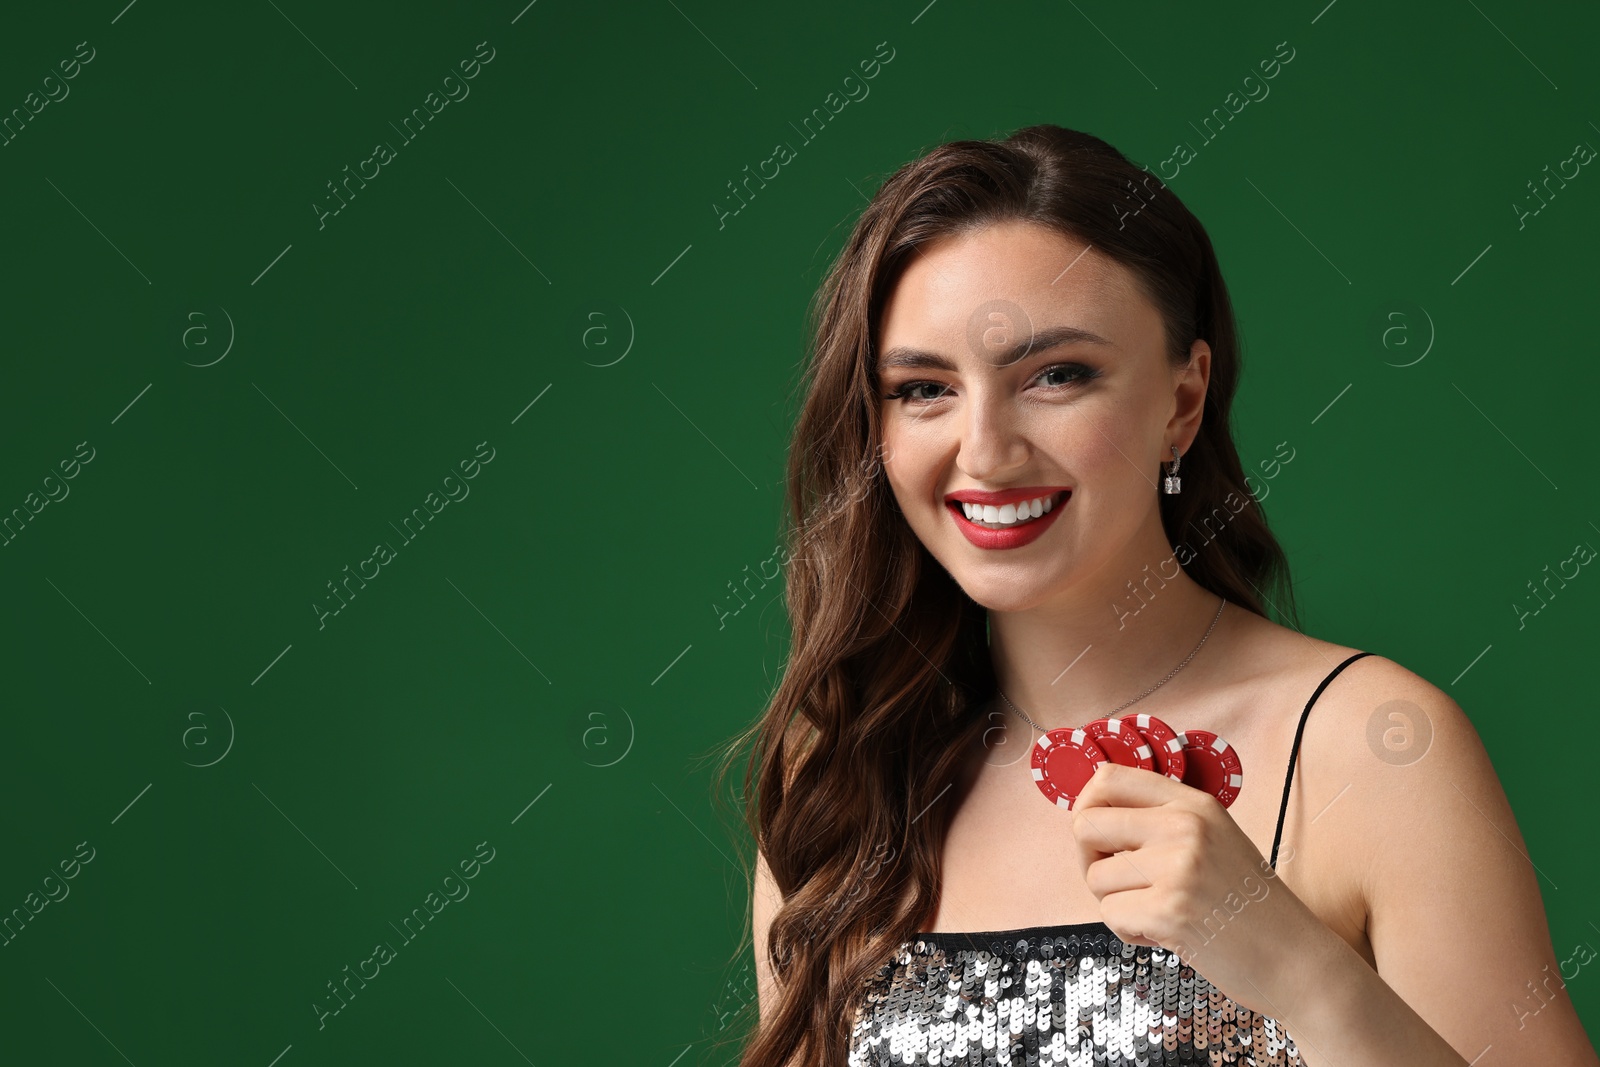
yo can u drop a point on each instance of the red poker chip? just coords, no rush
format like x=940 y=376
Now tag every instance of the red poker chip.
x=1121 y=743
x=1165 y=746
x=1212 y=766
x=1063 y=763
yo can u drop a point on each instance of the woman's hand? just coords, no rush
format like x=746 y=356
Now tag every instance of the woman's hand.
x=1171 y=868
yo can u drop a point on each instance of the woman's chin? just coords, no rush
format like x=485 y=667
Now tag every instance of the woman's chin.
x=1001 y=595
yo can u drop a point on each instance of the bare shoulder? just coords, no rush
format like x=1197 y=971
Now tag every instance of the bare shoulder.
x=1383 y=752
x=1388 y=730
x=1416 y=771
x=1370 y=714
x=1377 y=729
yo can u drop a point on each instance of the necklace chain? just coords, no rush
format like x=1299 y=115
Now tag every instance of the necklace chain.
x=1142 y=695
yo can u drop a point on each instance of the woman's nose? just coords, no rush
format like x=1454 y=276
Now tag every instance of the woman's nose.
x=993 y=441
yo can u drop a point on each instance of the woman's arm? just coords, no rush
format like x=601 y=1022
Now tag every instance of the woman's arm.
x=1454 y=914
x=765 y=900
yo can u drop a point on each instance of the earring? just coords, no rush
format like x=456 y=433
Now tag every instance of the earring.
x=1172 y=481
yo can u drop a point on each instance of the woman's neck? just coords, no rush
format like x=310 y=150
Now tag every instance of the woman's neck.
x=1072 y=661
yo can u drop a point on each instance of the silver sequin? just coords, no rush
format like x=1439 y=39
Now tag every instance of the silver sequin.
x=1075 y=995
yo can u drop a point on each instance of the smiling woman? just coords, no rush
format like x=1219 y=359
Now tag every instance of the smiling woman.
x=1022 y=369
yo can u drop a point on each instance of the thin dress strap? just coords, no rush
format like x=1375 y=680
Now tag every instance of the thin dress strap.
x=1288 y=779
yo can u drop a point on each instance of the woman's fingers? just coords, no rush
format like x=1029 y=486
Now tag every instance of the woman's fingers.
x=1114 y=785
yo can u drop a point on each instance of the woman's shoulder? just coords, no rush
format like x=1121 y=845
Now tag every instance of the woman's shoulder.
x=1389 y=768
x=1369 y=681
x=1377 y=728
x=1374 y=725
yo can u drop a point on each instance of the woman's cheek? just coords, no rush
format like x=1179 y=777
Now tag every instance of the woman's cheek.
x=1093 y=454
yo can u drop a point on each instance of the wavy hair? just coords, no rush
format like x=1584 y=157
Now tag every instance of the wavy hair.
x=888 y=657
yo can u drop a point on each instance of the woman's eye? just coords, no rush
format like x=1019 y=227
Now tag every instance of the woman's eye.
x=1077 y=371
x=1073 y=373
x=910 y=388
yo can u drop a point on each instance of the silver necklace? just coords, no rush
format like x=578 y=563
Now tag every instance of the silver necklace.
x=1142 y=695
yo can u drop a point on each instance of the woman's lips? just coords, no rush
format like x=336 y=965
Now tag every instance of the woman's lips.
x=1009 y=536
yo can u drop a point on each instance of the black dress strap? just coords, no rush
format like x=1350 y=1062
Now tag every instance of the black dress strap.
x=1288 y=779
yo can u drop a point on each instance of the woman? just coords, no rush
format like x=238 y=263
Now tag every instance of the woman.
x=1017 y=509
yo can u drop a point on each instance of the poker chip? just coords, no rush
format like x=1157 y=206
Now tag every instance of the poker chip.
x=1165 y=747
x=1121 y=743
x=1063 y=763
x=1211 y=765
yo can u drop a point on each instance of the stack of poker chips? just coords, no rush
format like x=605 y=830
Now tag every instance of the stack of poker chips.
x=1065 y=760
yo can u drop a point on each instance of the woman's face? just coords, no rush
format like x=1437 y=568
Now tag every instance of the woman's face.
x=1082 y=419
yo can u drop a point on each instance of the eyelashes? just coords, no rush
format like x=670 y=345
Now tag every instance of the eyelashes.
x=1080 y=374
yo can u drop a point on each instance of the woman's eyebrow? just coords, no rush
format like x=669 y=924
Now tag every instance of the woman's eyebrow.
x=902 y=356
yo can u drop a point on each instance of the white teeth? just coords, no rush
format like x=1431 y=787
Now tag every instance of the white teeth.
x=1008 y=514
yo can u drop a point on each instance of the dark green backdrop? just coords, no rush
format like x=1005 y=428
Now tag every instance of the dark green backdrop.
x=250 y=392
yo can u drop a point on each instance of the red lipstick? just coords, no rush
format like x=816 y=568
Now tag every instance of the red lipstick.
x=1009 y=537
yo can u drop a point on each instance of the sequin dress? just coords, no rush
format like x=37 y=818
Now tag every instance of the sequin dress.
x=1074 y=994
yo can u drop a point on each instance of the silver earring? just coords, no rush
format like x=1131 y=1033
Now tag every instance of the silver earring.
x=1172 y=482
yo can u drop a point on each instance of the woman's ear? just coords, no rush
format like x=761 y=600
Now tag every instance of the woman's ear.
x=1190 y=395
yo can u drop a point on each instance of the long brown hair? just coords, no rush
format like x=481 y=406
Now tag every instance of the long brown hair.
x=888 y=657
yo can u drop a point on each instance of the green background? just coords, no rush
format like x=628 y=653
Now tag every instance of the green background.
x=548 y=665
